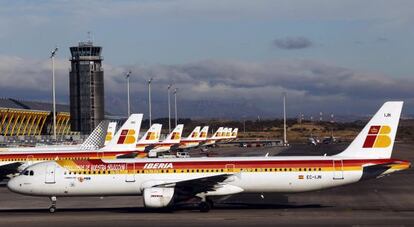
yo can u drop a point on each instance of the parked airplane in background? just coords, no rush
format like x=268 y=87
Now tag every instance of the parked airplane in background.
x=194 y=139
x=110 y=132
x=234 y=133
x=123 y=143
x=191 y=139
x=151 y=137
x=170 y=143
x=214 y=138
x=170 y=182
x=94 y=141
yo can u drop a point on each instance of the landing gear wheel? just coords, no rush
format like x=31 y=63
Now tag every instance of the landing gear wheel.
x=52 y=209
x=204 y=207
x=210 y=203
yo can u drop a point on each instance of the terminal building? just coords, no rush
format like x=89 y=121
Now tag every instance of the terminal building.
x=86 y=87
x=29 y=118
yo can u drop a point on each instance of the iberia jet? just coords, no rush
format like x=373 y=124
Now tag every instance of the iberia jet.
x=214 y=138
x=170 y=182
x=233 y=134
x=122 y=143
x=151 y=137
x=171 y=142
x=190 y=140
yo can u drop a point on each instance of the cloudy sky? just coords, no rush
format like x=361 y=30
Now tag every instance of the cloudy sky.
x=229 y=59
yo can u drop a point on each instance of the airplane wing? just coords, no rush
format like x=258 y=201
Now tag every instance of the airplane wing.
x=8 y=169
x=194 y=186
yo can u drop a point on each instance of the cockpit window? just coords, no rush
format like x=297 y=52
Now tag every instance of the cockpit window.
x=28 y=173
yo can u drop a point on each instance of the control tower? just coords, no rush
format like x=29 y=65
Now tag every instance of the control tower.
x=86 y=87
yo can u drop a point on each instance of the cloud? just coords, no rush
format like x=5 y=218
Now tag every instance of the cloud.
x=292 y=43
x=382 y=39
x=220 y=88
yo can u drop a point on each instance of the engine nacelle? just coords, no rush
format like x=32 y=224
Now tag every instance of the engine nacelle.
x=158 y=197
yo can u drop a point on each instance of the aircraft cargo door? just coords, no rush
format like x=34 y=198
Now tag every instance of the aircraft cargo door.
x=130 y=176
x=338 y=169
x=50 y=174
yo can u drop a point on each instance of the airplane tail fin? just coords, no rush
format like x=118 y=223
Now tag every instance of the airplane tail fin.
x=217 y=133
x=228 y=133
x=96 y=139
x=224 y=132
x=195 y=133
x=377 y=138
x=203 y=132
x=110 y=132
x=175 y=135
x=152 y=135
x=234 y=133
x=126 y=137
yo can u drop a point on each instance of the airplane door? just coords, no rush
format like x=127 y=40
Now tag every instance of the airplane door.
x=30 y=159
x=130 y=176
x=230 y=167
x=50 y=174
x=338 y=169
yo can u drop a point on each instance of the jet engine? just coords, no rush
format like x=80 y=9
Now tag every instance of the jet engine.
x=158 y=197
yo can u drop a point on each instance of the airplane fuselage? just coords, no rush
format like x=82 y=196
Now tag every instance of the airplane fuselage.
x=130 y=177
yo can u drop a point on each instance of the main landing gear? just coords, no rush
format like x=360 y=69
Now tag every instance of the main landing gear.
x=205 y=206
x=52 y=208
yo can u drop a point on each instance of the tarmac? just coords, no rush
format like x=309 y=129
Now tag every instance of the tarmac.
x=388 y=201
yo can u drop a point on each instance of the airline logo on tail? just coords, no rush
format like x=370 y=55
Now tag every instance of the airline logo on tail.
x=127 y=137
x=175 y=136
x=108 y=136
x=110 y=132
x=378 y=137
x=194 y=135
x=151 y=136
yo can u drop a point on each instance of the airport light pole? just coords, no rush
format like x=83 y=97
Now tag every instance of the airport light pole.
x=149 y=101
x=244 y=124
x=169 y=109
x=284 y=119
x=175 y=106
x=52 y=56
x=129 y=104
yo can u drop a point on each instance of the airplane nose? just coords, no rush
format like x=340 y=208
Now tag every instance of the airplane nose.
x=14 y=185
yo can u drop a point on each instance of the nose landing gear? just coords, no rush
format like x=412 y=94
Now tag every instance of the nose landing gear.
x=52 y=208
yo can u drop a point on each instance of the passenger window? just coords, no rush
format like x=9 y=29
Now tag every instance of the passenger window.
x=31 y=173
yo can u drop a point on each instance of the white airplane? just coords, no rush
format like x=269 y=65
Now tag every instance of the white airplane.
x=123 y=143
x=94 y=141
x=152 y=136
x=110 y=132
x=234 y=133
x=171 y=142
x=196 y=137
x=170 y=182
x=214 y=138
